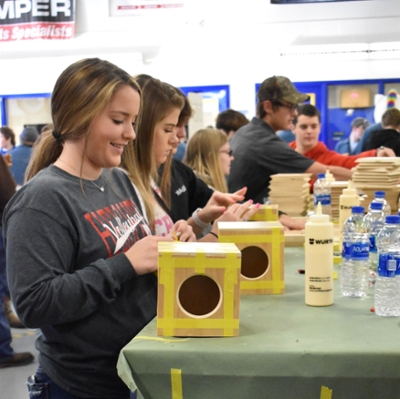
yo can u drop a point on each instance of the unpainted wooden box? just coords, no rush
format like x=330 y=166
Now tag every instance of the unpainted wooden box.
x=198 y=289
x=262 y=246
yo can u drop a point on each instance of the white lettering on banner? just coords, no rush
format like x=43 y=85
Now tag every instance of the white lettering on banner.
x=22 y=7
x=7 y=9
x=41 y=31
x=40 y=8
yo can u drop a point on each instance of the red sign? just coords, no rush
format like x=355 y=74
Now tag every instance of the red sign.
x=33 y=19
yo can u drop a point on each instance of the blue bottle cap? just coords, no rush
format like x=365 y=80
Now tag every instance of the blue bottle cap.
x=379 y=194
x=357 y=209
x=376 y=205
x=392 y=219
x=321 y=175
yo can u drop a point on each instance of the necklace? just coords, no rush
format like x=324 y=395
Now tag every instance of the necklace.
x=101 y=188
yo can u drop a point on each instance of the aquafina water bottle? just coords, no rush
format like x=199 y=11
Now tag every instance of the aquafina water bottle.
x=374 y=221
x=387 y=285
x=322 y=194
x=380 y=197
x=354 y=275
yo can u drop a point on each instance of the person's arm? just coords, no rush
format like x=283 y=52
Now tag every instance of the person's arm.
x=337 y=171
x=47 y=285
x=385 y=152
x=235 y=213
x=215 y=207
x=290 y=223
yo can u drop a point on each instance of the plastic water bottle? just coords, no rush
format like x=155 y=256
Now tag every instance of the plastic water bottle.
x=387 y=285
x=374 y=221
x=354 y=275
x=322 y=194
x=380 y=197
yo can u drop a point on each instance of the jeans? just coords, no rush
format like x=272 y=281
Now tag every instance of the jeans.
x=5 y=332
x=40 y=386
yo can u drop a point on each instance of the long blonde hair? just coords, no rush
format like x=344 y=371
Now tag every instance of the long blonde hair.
x=81 y=92
x=159 y=99
x=203 y=156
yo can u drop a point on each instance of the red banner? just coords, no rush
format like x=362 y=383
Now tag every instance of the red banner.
x=35 y=19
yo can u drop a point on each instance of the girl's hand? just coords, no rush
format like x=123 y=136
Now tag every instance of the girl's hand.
x=218 y=204
x=143 y=255
x=236 y=213
x=182 y=231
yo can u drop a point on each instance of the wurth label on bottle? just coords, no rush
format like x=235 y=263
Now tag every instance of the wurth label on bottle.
x=319 y=284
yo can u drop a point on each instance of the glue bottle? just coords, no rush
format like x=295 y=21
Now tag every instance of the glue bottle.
x=347 y=200
x=319 y=260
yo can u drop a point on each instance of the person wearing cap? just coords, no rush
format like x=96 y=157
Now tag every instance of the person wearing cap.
x=307 y=128
x=389 y=136
x=260 y=153
x=21 y=154
x=350 y=146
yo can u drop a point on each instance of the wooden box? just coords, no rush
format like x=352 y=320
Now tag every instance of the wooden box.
x=262 y=246
x=198 y=289
x=266 y=213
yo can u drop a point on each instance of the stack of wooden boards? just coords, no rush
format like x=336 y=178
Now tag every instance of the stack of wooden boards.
x=291 y=192
x=378 y=174
x=336 y=191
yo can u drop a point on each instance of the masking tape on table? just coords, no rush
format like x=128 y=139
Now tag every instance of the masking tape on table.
x=176 y=384
x=326 y=393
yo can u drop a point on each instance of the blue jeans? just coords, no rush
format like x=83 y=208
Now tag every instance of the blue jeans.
x=5 y=332
x=40 y=386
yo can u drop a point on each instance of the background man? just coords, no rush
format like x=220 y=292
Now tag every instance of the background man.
x=389 y=135
x=229 y=121
x=21 y=154
x=259 y=153
x=350 y=146
x=307 y=127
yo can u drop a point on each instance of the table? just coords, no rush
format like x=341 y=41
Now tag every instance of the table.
x=285 y=350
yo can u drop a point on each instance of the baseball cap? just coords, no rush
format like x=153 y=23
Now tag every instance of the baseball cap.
x=357 y=122
x=29 y=134
x=280 y=88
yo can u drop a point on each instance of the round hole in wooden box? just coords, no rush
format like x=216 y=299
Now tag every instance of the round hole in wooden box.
x=199 y=295
x=255 y=262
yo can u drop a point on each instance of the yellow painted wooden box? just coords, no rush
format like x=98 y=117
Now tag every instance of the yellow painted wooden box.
x=262 y=246
x=266 y=213
x=198 y=289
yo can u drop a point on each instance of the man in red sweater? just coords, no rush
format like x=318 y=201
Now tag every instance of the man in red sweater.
x=307 y=127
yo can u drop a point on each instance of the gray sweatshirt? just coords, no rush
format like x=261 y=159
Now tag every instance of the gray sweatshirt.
x=69 y=276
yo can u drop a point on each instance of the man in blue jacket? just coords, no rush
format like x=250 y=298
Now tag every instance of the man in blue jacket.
x=21 y=154
x=350 y=146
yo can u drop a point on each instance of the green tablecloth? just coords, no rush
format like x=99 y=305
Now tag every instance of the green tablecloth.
x=285 y=350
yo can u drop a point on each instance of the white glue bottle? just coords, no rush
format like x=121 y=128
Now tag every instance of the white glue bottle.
x=319 y=260
x=347 y=200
